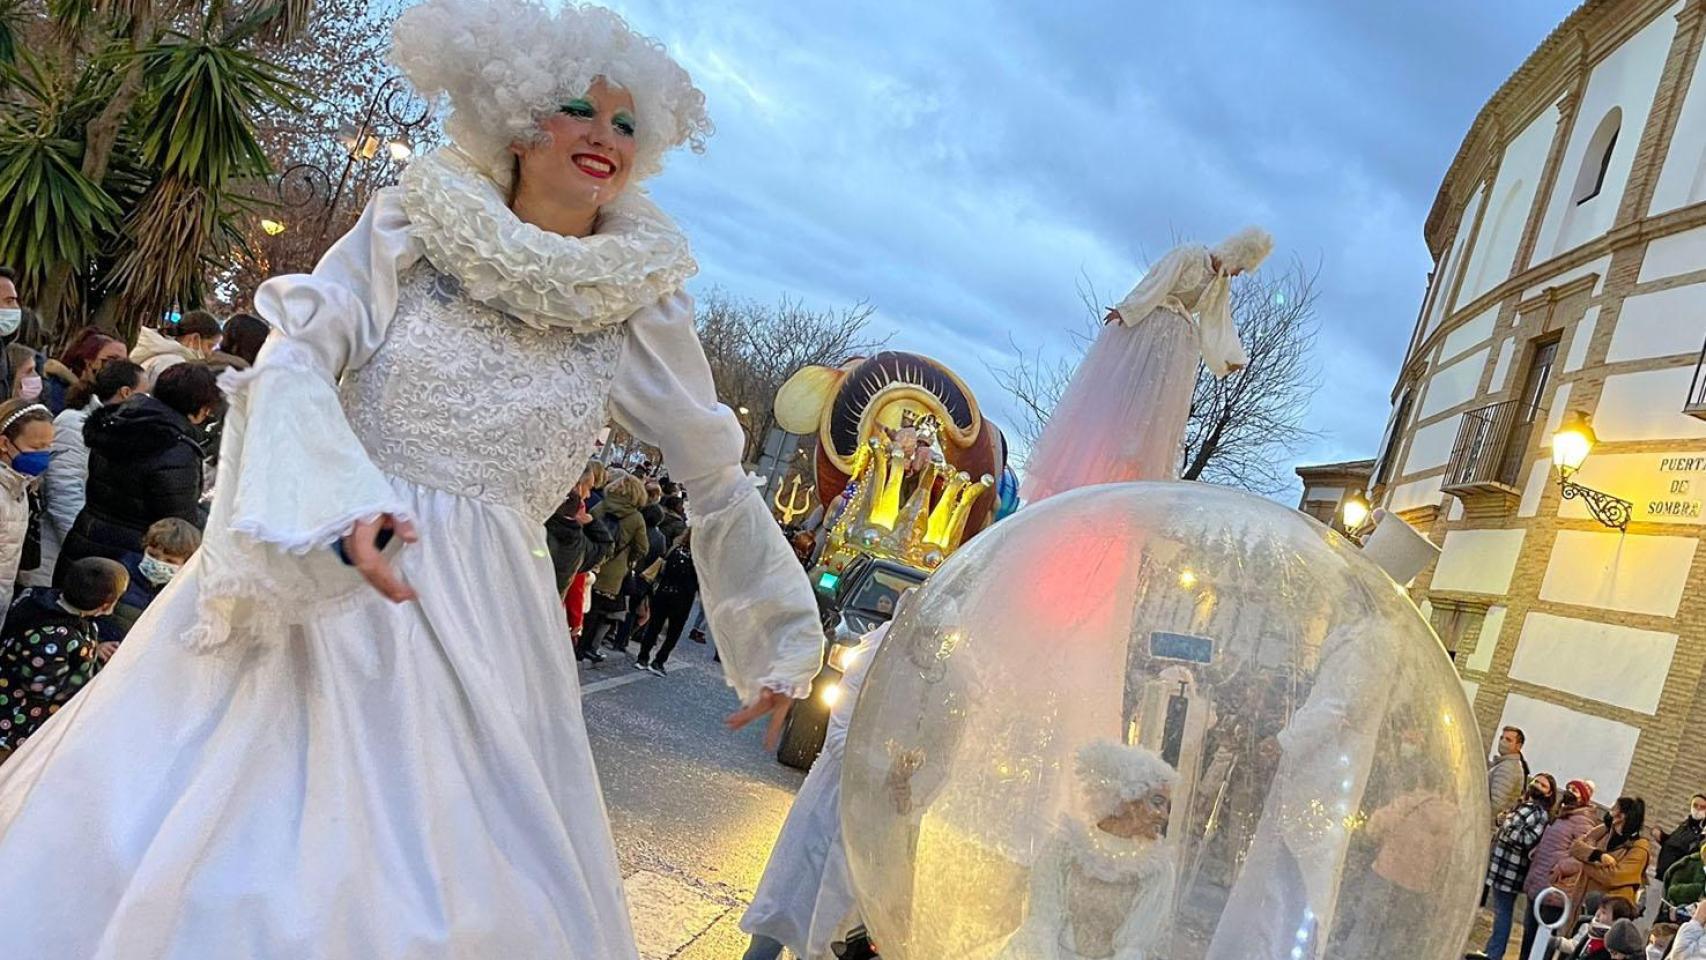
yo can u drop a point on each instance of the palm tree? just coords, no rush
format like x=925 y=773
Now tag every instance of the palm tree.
x=126 y=129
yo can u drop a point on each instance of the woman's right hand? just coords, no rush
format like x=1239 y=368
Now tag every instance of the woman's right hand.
x=362 y=548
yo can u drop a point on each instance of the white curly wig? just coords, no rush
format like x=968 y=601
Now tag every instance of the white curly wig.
x=505 y=64
x=1111 y=774
x=1244 y=250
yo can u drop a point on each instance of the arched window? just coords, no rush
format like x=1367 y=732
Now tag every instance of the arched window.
x=1590 y=179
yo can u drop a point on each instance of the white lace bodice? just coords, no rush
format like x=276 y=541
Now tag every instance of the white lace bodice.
x=463 y=398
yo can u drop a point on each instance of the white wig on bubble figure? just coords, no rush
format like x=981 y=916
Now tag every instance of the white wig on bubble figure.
x=1112 y=774
x=504 y=64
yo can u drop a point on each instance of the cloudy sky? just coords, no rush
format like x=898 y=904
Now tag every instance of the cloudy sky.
x=961 y=164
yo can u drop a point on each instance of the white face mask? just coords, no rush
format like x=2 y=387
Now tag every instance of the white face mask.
x=1655 y=952
x=29 y=387
x=158 y=571
x=10 y=318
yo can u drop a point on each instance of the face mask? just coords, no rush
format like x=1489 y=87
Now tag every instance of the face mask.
x=29 y=387
x=1697 y=814
x=158 y=571
x=1655 y=952
x=1598 y=930
x=32 y=463
x=9 y=320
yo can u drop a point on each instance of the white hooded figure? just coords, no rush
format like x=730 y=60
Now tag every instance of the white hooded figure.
x=1102 y=887
x=1122 y=417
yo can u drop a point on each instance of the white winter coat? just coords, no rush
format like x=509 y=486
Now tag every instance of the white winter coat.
x=64 y=486
x=1690 y=942
x=155 y=352
x=14 y=526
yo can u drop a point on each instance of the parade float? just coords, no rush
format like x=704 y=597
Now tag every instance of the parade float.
x=907 y=470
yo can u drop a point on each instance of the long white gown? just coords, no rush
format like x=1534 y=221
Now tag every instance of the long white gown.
x=281 y=764
x=1178 y=315
x=1095 y=896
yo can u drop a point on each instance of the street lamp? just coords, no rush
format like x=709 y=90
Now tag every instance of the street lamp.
x=304 y=182
x=1354 y=513
x=1570 y=448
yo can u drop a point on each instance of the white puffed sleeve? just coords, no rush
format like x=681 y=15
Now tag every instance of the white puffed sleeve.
x=1157 y=286
x=1222 y=351
x=305 y=480
x=761 y=607
x=1173 y=279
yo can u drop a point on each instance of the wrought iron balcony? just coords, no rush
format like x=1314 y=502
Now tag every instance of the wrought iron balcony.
x=1696 y=404
x=1488 y=455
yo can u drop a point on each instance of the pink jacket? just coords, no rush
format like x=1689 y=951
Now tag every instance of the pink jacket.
x=1554 y=846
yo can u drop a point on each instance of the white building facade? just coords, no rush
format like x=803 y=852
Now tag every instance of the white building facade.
x=1570 y=276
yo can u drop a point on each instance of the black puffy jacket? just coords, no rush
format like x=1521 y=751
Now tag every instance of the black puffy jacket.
x=144 y=465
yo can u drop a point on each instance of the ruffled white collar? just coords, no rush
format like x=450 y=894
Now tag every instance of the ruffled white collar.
x=585 y=284
x=1115 y=859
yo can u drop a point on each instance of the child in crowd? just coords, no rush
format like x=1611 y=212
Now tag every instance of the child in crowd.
x=1691 y=937
x=50 y=647
x=1623 y=941
x=166 y=547
x=1589 y=941
x=1660 y=939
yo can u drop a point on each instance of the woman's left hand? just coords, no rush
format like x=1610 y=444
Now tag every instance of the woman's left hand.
x=772 y=702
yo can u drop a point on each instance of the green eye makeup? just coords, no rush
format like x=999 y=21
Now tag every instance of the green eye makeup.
x=583 y=109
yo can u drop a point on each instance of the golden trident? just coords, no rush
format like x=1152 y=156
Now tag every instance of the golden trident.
x=798 y=505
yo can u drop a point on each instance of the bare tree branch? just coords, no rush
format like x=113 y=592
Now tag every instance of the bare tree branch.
x=1243 y=430
x=753 y=348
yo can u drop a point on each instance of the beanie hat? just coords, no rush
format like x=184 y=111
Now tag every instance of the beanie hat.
x=1583 y=789
x=1625 y=938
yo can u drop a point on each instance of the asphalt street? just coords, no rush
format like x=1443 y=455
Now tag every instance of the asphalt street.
x=694 y=807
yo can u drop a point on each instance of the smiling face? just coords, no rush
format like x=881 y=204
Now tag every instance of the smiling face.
x=585 y=153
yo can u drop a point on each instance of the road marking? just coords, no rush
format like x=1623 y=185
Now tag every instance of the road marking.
x=633 y=676
x=611 y=683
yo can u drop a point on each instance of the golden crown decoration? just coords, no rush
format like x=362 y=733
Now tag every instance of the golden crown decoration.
x=917 y=517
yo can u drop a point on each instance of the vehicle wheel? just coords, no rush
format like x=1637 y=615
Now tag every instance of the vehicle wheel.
x=802 y=734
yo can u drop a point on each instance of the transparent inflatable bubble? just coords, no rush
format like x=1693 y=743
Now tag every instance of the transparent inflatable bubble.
x=1163 y=721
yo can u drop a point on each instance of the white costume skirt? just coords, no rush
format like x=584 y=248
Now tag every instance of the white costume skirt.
x=1122 y=417
x=391 y=782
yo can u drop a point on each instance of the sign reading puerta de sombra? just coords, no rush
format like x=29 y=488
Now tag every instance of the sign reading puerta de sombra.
x=1665 y=487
